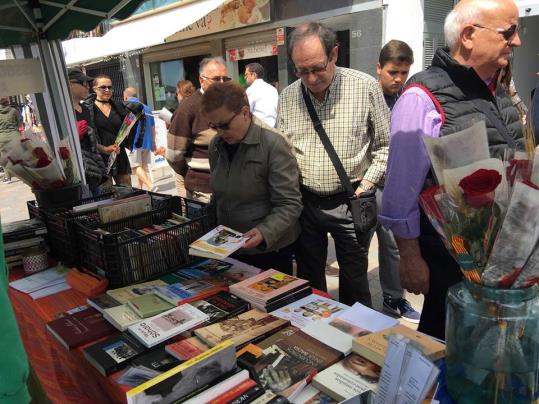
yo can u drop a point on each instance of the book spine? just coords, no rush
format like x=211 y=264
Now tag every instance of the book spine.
x=234 y=392
x=249 y=396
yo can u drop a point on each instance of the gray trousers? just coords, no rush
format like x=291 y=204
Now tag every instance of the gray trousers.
x=388 y=259
x=321 y=216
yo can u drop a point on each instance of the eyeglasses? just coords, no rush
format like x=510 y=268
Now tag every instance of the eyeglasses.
x=506 y=33
x=222 y=79
x=224 y=125
x=105 y=88
x=82 y=83
x=314 y=70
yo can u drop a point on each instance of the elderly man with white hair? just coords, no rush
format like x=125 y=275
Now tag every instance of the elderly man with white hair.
x=460 y=88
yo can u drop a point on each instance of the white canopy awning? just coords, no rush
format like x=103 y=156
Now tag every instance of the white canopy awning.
x=137 y=34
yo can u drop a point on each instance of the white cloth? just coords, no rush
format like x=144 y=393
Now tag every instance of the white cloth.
x=263 y=99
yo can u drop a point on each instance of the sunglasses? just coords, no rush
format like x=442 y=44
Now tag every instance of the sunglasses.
x=104 y=88
x=506 y=33
x=224 y=125
x=222 y=79
x=314 y=70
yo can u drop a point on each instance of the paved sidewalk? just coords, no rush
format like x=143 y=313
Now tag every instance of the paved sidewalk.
x=13 y=199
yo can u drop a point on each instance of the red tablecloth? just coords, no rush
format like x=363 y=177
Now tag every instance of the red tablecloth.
x=66 y=376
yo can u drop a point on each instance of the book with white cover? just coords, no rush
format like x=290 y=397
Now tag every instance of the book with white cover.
x=361 y=320
x=218 y=243
x=156 y=329
x=330 y=336
x=310 y=309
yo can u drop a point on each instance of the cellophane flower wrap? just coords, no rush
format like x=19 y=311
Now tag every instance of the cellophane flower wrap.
x=486 y=210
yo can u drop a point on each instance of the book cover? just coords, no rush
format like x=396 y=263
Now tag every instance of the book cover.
x=362 y=320
x=114 y=353
x=123 y=295
x=157 y=359
x=267 y=286
x=221 y=305
x=348 y=378
x=310 y=309
x=102 y=302
x=374 y=346
x=290 y=357
x=249 y=396
x=218 y=243
x=187 y=348
x=79 y=328
x=218 y=392
x=232 y=393
x=148 y=305
x=203 y=269
x=121 y=316
x=247 y=327
x=154 y=330
x=185 y=378
x=188 y=291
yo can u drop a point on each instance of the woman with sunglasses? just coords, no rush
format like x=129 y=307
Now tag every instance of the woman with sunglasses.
x=108 y=117
x=253 y=177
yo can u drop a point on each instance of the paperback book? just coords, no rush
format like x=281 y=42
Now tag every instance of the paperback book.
x=220 y=306
x=123 y=295
x=187 y=348
x=114 y=353
x=121 y=316
x=188 y=291
x=123 y=208
x=157 y=329
x=218 y=243
x=267 y=287
x=203 y=269
x=102 y=302
x=148 y=305
x=248 y=327
x=79 y=328
x=157 y=359
x=187 y=377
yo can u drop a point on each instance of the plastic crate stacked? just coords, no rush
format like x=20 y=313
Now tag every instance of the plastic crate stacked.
x=120 y=252
x=61 y=233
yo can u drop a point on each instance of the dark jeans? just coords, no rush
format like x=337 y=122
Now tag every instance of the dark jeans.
x=281 y=259
x=443 y=273
x=323 y=215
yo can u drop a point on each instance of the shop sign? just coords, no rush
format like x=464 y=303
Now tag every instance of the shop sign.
x=233 y=14
x=250 y=52
x=280 y=36
x=21 y=76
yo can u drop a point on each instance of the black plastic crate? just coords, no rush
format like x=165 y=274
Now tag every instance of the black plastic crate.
x=61 y=230
x=126 y=256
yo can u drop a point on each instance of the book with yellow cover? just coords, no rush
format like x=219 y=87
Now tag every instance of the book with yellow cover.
x=187 y=377
x=374 y=346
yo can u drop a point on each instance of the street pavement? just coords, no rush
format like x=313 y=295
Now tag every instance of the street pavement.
x=14 y=196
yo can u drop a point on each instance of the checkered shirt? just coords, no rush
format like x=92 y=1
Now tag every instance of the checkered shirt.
x=356 y=119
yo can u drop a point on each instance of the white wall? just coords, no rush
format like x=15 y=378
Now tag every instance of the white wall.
x=404 y=21
x=526 y=60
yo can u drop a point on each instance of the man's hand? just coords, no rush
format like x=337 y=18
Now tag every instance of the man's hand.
x=414 y=272
x=113 y=148
x=366 y=184
x=255 y=238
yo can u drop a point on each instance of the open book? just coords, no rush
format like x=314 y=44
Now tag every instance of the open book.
x=218 y=243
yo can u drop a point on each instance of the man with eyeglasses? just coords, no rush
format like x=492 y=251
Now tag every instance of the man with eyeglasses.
x=189 y=135
x=352 y=110
x=459 y=89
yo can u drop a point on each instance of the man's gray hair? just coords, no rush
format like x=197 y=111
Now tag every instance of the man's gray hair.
x=257 y=69
x=204 y=62
x=326 y=35
x=464 y=14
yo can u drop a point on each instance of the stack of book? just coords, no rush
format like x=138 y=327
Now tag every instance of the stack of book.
x=44 y=283
x=122 y=208
x=19 y=236
x=271 y=290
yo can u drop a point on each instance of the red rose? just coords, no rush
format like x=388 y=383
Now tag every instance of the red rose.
x=64 y=153
x=478 y=187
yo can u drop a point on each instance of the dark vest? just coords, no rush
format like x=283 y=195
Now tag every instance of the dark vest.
x=455 y=86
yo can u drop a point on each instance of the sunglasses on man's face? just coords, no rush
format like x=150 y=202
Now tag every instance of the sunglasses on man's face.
x=104 y=88
x=507 y=34
x=224 y=125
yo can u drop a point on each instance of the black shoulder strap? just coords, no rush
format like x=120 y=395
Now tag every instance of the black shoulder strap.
x=486 y=108
x=345 y=181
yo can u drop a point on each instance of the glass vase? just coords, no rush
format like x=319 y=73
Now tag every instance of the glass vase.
x=492 y=338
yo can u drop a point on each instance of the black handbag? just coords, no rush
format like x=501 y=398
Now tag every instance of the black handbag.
x=362 y=207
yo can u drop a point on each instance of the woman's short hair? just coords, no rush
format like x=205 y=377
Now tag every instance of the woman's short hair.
x=230 y=95
x=101 y=76
x=185 y=88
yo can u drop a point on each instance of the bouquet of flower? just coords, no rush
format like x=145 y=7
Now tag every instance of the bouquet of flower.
x=481 y=205
x=32 y=161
